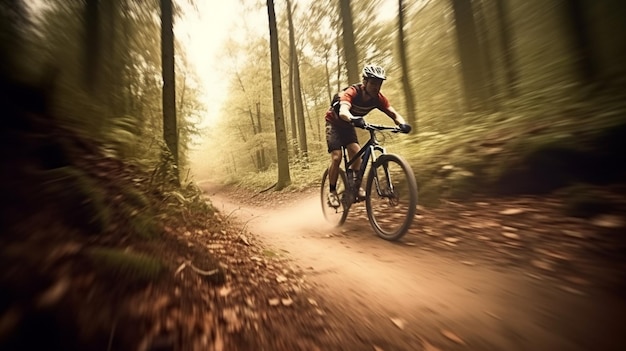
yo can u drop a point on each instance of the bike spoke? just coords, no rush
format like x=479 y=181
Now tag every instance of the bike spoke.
x=392 y=198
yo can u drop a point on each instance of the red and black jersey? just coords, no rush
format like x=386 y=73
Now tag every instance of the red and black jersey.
x=353 y=95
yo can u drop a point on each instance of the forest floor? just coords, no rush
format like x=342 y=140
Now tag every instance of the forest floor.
x=269 y=274
x=489 y=274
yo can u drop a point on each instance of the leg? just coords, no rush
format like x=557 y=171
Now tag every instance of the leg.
x=333 y=140
x=333 y=169
x=353 y=148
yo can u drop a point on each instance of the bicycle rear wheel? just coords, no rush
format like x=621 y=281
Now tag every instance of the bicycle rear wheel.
x=391 y=197
x=335 y=216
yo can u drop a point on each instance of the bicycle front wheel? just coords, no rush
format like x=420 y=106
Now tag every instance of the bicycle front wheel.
x=335 y=215
x=391 y=197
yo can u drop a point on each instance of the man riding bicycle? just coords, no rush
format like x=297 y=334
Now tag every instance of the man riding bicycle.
x=356 y=100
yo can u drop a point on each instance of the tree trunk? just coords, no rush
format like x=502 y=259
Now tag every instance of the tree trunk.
x=508 y=56
x=297 y=89
x=92 y=45
x=292 y=106
x=170 y=131
x=487 y=57
x=581 y=40
x=260 y=130
x=349 y=46
x=279 y=117
x=472 y=69
x=406 y=83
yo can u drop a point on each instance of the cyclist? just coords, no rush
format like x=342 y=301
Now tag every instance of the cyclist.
x=355 y=100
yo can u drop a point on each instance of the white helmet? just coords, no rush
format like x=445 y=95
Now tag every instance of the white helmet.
x=373 y=71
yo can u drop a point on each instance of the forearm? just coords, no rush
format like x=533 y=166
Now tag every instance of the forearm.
x=399 y=119
x=395 y=116
x=344 y=112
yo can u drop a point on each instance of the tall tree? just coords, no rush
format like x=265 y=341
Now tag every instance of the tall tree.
x=92 y=44
x=292 y=107
x=406 y=83
x=282 y=153
x=170 y=131
x=485 y=43
x=349 y=46
x=260 y=153
x=472 y=65
x=297 y=89
x=508 y=56
x=581 y=40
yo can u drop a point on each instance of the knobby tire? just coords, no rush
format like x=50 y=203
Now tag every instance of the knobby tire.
x=391 y=214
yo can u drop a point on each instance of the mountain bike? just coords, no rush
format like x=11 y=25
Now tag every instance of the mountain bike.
x=390 y=192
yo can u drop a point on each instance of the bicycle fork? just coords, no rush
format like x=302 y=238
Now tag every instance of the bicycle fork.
x=389 y=191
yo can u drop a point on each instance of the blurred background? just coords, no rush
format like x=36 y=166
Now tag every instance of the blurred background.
x=114 y=111
x=488 y=79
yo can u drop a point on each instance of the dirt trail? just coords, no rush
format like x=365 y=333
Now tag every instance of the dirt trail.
x=406 y=296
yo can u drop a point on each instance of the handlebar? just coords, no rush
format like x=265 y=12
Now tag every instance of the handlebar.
x=378 y=127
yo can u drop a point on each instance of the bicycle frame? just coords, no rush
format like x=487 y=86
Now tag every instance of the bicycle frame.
x=367 y=152
x=390 y=209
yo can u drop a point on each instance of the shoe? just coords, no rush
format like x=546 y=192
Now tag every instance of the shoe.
x=361 y=193
x=333 y=199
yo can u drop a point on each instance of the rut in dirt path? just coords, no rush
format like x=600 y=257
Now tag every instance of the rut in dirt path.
x=411 y=296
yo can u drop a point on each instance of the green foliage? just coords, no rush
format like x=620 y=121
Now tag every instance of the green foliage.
x=138 y=213
x=123 y=137
x=120 y=102
x=165 y=174
x=126 y=267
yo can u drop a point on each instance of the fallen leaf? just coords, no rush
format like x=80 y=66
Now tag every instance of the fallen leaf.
x=510 y=235
x=398 y=322
x=450 y=335
x=244 y=239
x=608 y=221
x=287 y=301
x=274 y=302
x=512 y=211
x=225 y=291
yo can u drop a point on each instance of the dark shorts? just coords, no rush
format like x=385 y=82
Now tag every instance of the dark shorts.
x=338 y=135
